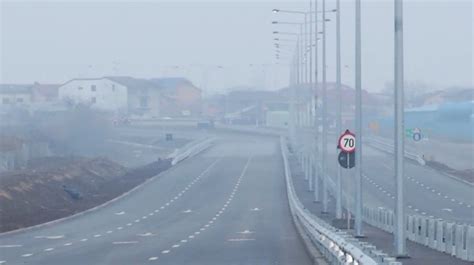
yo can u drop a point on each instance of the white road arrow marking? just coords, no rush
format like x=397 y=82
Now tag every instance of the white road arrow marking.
x=146 y=234
x=447 y=209
x=246 y=232
x=120 y=213
x=255 y=209
x=187 y=211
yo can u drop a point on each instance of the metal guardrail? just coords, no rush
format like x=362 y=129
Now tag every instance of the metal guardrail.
x=191 y=149
x=337 y=246
x=252 y=129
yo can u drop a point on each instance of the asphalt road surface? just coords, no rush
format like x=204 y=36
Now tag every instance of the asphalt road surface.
x=227 y=205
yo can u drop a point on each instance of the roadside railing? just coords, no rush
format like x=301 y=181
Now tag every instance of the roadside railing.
x=191 y=149
x=438 y=234
x=454 y=239
x=337 y=246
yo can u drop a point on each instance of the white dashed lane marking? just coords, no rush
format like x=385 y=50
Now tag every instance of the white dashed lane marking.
x=240 y=239
x=10 y=246
x=427 y=187
x=53 y=237
x=50 y=237
x=203 y=228
x=124 y=242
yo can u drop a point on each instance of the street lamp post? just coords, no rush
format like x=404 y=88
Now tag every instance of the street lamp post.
x=400 y=240
x=339 y=106
x=324 y=118
x=316 y=118
x=310 y=184
x=358 y=123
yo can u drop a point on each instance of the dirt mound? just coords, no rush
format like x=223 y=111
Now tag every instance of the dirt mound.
x=55 y=187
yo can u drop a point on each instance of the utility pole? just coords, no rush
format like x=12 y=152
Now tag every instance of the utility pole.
x=325 y=123
x=300 y=65
x=316 y=116
x=339 y=106
x=400 y=240
x=358 y=123
x=311 y=85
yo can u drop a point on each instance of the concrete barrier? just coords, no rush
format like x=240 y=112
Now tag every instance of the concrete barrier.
x=459 y=243
x=470 y=243
x=449 y=237
x=191 y=149
x=431 y=233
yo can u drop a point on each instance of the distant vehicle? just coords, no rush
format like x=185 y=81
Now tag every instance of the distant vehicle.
x=121 y=121
x=205 y=124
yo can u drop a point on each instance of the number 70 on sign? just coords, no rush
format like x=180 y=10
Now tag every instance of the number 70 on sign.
x=347 y=142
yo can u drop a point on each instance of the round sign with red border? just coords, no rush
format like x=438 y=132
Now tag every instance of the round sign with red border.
x=347 y=142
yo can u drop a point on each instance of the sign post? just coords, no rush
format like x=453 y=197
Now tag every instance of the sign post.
x=346 y=159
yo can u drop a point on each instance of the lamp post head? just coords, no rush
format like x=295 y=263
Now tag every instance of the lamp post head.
x=276 y=10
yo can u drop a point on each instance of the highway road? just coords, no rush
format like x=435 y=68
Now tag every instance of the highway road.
x=227 y=205
x=428 y=192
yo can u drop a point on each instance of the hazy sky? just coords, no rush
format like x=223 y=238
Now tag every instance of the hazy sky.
x=220 y=44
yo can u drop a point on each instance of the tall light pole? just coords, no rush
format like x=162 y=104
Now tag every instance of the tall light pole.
x=400 y=240
x=316 y=118
x=358 y=123
x=339 y=106
x=324 y=118
x=310 y=184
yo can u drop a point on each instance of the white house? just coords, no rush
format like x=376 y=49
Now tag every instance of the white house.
x=99 y=93
x=14 y=95
x=120 y=94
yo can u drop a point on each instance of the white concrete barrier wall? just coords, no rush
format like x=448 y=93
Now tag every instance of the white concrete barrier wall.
x=191 y=149
x=470 y=243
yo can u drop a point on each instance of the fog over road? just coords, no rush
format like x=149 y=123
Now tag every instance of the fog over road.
x=227 y=205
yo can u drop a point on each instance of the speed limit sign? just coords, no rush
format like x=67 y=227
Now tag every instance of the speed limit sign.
x=347 y=142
